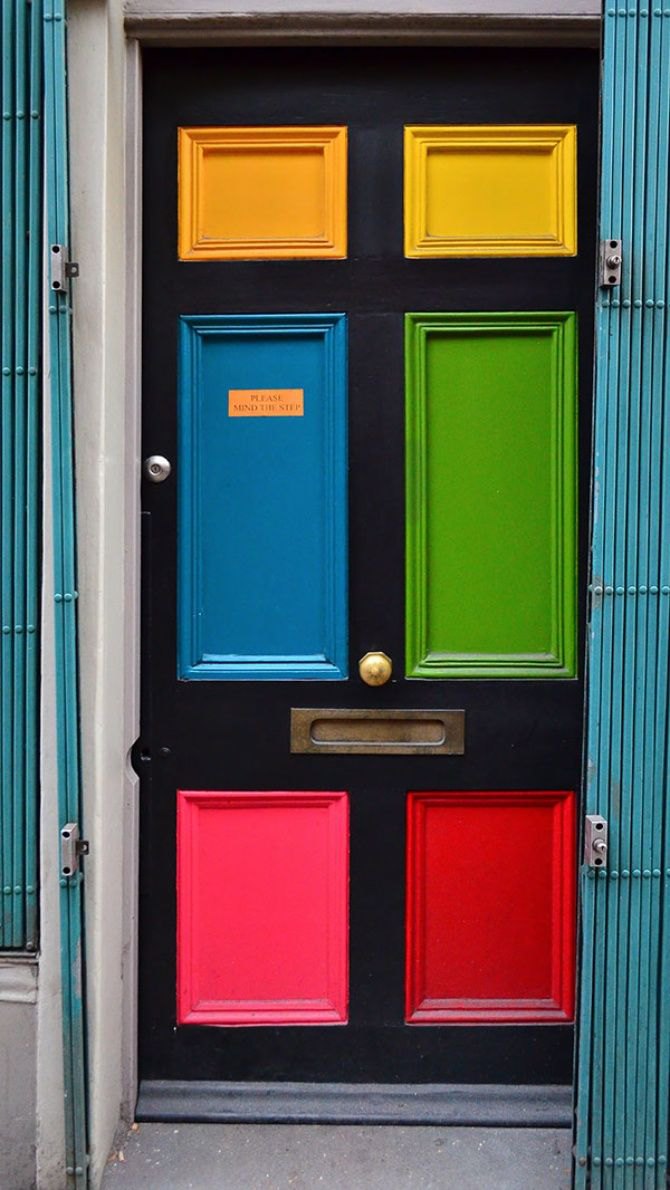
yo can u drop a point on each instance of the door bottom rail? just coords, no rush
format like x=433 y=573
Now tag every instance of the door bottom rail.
x=455 y=1104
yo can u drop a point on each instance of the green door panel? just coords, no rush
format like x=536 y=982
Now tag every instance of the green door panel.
x=491 y=495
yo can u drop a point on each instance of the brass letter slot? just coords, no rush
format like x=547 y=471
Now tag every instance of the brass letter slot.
x=319 y=729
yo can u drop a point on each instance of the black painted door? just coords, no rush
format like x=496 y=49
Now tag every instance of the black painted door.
x=410 y=972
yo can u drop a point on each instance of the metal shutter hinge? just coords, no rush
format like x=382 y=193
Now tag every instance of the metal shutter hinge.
x=72 y=847
x=62 y=268
x=611 y=261
x=595 y=841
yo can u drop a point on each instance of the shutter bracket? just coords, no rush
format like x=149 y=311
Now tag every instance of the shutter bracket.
x=62 y=268
x=611 y=261
x=595 y=841
x=72 y=847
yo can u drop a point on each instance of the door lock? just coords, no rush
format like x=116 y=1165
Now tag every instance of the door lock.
x=375 y=669
x=157 y=468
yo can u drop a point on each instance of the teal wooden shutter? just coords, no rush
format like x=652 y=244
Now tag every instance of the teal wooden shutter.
x=624 y=1021
x=59 y=333
x=20 y=431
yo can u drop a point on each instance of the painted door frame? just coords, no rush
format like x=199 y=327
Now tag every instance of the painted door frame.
x=106 y=216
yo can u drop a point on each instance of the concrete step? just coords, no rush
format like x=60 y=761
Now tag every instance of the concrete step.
x=331 y=1157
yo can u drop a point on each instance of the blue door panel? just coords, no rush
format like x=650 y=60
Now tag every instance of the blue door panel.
x=262 y=497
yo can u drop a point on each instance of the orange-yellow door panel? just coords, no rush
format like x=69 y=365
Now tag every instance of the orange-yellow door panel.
x=262 y=193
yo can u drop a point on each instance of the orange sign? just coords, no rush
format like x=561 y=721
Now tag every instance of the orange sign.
x=266 y=402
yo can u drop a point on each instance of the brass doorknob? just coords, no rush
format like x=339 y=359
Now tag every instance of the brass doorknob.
x=375 y=668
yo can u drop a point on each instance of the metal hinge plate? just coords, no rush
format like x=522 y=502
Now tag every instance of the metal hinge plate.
x=611 y=261
x=595 y=841
x=72 y=847
x=62 y=268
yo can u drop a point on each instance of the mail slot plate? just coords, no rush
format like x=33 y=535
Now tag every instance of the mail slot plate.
x=377 y=732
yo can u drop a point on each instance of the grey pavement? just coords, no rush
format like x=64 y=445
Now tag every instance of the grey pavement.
x=336 y=1157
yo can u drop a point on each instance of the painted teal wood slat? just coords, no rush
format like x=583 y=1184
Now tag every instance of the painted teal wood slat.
x=21 y=187
x=623 y=1047
x=7 y=465
x=18 y=502
x=659 y=1041
x=262 y=585
x=59 y=332
x=34 y=458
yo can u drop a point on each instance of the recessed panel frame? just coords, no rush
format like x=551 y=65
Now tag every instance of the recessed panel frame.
x=262 y=907
x=490 y=190
x=262 y=193
x=262 y=501
x=491 y=495
x=491 y=907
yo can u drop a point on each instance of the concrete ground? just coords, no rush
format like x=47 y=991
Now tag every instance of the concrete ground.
x=336 y=1157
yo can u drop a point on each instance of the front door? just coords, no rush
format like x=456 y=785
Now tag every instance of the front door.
x=368 y=288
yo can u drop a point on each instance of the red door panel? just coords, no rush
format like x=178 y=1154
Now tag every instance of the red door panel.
x=490 y=907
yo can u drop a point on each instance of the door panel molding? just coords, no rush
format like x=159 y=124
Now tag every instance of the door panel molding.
x=244 y=526
x=455 y=204
x=484 y=449
x=262 y=903
x=504 y=948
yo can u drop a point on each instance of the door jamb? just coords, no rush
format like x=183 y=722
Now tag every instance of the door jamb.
x=149 y=22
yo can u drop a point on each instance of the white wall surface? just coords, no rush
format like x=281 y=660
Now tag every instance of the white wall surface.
x=107 y=480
